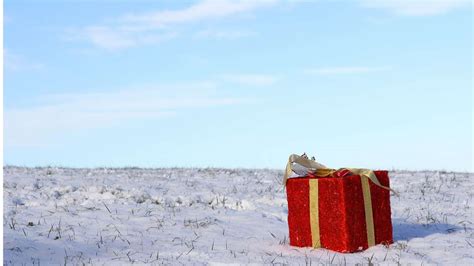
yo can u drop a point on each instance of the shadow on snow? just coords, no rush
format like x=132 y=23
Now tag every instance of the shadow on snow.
x=407 y=231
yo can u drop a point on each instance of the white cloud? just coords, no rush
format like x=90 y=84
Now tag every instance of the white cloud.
x=224 y=34
x=15 y=62
x=59 y=115
x=251 y=79
x=111 y=38
x=344 y=70
x=150 y=28
x=205 y=10
x=416 y=7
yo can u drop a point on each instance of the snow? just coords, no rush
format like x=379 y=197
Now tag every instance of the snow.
x=212 y=216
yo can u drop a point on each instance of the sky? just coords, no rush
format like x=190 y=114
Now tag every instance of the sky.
x=363 y=83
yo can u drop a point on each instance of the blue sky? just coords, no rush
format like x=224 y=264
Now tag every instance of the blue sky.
x=377 y=84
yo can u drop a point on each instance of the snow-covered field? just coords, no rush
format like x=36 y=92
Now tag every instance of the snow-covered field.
x=209 y=216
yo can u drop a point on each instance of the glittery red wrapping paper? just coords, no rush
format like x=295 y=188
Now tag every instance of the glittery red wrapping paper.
x=341 y=212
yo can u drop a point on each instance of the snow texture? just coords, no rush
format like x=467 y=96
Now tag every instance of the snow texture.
x=212 y=216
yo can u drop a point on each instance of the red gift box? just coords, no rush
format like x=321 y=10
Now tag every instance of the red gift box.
x=342 y=212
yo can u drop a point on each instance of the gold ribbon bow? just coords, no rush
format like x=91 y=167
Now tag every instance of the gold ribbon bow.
x=320 y=170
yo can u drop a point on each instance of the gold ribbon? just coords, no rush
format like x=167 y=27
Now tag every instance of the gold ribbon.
x=320 y=170
x=314 y=212
x=369 y=215
x=302 y=160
